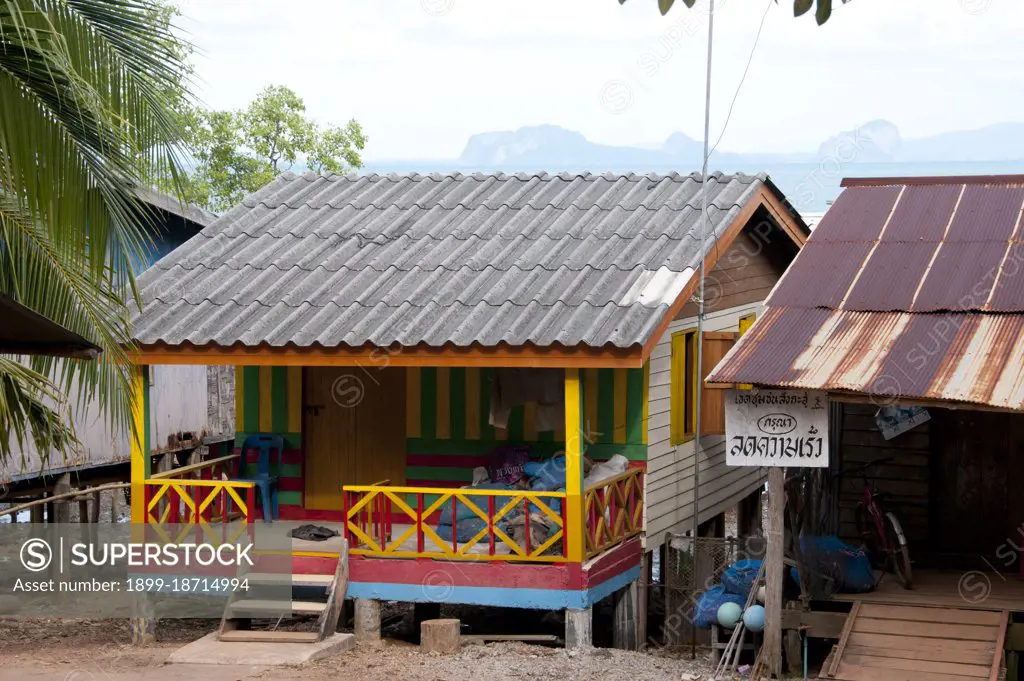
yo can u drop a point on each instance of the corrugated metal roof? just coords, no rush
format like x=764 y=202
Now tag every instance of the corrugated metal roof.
x=439 y=259
x=907 y=288
x=958 y=357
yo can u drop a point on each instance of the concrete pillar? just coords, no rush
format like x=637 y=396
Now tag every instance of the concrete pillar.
x=367 y=621
x=143 y=620
x=578 y=629
x=624 y=633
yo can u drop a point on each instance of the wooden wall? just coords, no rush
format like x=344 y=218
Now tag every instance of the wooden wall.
x=269 y=400
x=669 y=490
x=906 y=478
x=956 y=483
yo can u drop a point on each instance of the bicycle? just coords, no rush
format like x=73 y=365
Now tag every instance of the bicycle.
x=881 y=531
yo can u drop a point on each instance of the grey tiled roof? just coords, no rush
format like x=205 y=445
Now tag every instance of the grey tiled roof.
x=439 y=259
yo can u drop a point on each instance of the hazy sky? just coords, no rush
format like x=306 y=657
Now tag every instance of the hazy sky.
x=423 y=75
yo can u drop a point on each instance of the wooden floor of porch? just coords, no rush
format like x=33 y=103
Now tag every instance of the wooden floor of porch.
x=974 y=590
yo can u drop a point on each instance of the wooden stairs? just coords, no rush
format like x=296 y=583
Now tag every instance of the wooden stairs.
x=275 y=593
x=910 y=643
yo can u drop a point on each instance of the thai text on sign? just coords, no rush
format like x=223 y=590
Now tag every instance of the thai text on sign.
x=776 y=428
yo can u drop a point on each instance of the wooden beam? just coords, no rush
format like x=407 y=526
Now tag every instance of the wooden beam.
x=775 y=570
x=817 y=624
x=505 y=356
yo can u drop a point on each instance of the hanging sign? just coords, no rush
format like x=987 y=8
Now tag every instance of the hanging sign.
x=776 y=428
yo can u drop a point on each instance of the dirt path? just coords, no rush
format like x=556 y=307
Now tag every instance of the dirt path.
x=94 y=650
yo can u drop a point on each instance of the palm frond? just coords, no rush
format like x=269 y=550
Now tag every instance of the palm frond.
x=87 y=93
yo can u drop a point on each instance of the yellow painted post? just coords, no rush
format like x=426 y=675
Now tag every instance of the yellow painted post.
x=573 y=467
x=139 y=445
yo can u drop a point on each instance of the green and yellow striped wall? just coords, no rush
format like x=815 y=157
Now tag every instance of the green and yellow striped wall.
x=269 y=400
x=448 y=434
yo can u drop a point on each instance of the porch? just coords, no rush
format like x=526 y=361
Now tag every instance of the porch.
x=410 y=516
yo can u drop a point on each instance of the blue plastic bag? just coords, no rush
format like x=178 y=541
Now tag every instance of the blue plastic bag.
x=846 y=565
x=549 y=476
x=706 y=610
x=462 y=511
x=739 y=577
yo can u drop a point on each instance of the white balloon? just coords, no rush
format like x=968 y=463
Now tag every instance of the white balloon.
x=761 y=594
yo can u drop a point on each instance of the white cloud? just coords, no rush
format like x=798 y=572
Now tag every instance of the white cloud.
x=423 y=75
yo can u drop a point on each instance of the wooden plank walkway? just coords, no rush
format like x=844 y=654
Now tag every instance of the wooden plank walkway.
x=911 y=643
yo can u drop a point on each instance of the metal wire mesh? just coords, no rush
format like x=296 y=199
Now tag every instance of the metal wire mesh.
x=691 y=568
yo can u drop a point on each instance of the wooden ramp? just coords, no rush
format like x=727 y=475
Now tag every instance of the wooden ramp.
x=912 y=643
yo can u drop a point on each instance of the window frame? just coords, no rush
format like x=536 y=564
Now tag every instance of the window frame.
x=744 y=324
x=684 y=374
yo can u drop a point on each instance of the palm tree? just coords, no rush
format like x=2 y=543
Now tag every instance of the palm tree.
x=87 y=90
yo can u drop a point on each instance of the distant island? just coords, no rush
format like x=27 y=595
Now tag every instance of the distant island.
x=810 y=178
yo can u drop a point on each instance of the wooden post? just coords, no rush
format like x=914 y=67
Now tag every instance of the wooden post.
x=643 y=599
x=440 y=636
x=115 y=495
x=774 y=571
x=573 y=467
x=62 y=509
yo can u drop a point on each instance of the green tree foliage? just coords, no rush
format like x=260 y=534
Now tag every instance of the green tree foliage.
x=822 y=12
x=87 y=94
x=237 y=152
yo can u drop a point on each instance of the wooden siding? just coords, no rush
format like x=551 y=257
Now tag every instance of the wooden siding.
x=746 y=272
x=669 y=494
x=905 y=478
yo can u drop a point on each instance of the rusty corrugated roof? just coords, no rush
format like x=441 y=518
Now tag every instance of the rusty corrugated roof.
x=907 y=288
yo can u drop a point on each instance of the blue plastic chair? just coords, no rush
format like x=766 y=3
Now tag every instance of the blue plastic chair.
x=267 y=471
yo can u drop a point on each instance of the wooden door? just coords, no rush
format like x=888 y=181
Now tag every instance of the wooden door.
x=354 y=430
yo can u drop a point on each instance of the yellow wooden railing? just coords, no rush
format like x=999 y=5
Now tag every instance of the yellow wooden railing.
x=381 y=521
x=614 y=511
x=189 y=510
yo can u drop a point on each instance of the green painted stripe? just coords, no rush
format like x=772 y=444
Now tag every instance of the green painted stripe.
x=291 y=440
x=279 y=399
x=546 y=435
x=291 y=470
x=289 y=498
x=428 y=499
x=515 y=424
x=428 y=402
x=634 y=405
x=251 y=415
x=458 y=410
x=439 y=473
x=605 y=451
x=477 y=447
x=605 y=405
